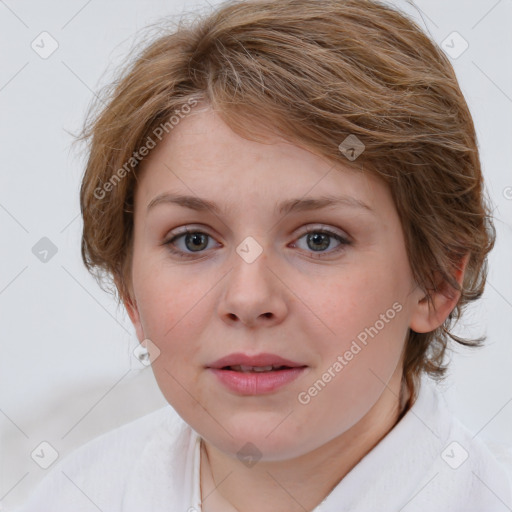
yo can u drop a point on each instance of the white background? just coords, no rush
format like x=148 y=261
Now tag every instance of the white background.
x=66 y=367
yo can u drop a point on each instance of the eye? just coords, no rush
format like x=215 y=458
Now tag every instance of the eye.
x=195 y=241
x=318 y=240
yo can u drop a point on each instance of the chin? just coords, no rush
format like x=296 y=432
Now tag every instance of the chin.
x=263 y=440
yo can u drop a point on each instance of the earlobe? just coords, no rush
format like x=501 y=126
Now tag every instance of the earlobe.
x=428 y=315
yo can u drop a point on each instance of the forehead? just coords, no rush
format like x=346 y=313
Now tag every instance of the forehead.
x=203 y=137
x=203 y=157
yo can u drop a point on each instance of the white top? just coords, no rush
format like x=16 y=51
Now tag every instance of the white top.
x=428 y=461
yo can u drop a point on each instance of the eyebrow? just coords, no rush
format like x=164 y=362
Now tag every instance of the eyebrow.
x=283 y=208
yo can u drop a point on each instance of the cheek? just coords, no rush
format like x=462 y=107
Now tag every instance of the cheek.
x=170 y=305
x=361 y=350
x=363 y=316
x=174 y=317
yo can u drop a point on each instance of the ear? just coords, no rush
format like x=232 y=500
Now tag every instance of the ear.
x=133 y=312
x=428 y=317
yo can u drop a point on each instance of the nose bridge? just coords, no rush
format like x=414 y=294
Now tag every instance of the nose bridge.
x=250 y=264
x=252 y=290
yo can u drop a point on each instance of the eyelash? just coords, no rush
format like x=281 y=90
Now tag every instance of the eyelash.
x=343 y=241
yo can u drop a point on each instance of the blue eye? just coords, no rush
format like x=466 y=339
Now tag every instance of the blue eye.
x=318 y=240
x=193 y=239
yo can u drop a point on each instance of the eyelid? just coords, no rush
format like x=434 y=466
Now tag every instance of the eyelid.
x=323 y=227
x=188 y=229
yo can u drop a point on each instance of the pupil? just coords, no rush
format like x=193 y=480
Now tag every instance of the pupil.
x=197 y=240
x=317 y=238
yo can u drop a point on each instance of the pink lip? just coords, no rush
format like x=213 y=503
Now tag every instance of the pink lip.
x=252 y=383
x=264 y=359
x=257 y=383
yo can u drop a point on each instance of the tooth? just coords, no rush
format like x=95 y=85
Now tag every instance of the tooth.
x=262 y=368
x=244 y=368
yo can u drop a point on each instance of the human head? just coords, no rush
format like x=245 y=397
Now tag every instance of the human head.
x=313 y=73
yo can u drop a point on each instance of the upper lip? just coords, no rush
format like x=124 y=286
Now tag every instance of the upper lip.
x=255 y=360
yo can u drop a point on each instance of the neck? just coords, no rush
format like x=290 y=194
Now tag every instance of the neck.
x=302 y=483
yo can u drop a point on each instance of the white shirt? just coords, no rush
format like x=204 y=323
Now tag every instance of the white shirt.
x=428 y=462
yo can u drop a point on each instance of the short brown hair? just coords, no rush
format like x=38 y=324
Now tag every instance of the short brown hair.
x=313 y=72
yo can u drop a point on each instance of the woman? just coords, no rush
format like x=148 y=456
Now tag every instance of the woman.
x=288 y=197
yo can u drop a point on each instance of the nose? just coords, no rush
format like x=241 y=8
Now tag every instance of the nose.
x=254 y=294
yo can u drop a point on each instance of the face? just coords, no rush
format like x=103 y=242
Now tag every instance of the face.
x=328 y=289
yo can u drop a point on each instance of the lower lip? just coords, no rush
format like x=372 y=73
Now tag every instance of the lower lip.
x=253 y=383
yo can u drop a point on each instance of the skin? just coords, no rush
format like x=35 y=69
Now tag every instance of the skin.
x=303 y=304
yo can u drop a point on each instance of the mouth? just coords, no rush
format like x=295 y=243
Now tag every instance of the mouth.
x=255 y=375
x=257 y=369
x=241 y=362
